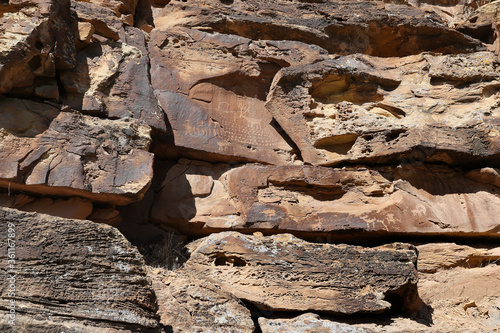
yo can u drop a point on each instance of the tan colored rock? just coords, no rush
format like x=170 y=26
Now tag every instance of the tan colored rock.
x=72 y=208
x=72 y=274
x=284 y=273
x=191 y=304
x=396 y=110
x=85 y=31
x=489 y=176
x=316 y=201
x=433 y=257
x=48 y=152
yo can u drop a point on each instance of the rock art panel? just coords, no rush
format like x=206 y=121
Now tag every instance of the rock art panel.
x=421 y=108
x=285 y=273
x=213 y=87
x=199 y=198
x=73 y=274
x=69 y=154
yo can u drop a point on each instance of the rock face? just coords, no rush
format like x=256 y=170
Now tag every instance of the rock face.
x=421 y=108
x=215 y=310
x=331 y=127
x=64 y=153
x=72 y=273
x=285 y=273
x=305 y=200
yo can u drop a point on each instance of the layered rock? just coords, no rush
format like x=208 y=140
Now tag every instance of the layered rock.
x=191 y=304
x=431 y=200
x=71 y=274
x=342 y=27
x=65 y=153
x=422 y=108
x=284 y=273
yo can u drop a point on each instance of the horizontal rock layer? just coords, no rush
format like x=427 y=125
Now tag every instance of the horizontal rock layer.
x=72 y=272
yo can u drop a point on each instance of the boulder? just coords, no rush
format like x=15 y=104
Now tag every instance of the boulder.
x=71 y=275
x=285 y=273
x=48 y=152
x=191 y=304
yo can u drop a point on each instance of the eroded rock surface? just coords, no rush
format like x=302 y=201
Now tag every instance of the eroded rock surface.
x=197 y=197
x=73 y=274
x=191 y=304
x=423 y=108
x=65 y=153
x=284 y=273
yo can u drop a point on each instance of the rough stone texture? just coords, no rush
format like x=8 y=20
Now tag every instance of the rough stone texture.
x=213 y=88
x=422 y=108
x=306 y=323
x=71 y=273
x=111 y=80
x=440 y=256
x=198 y=197
x=284 y=273
x=45 y=151
x=376 y=28
x=35 y=41
x=72 y=208
x=191 y=304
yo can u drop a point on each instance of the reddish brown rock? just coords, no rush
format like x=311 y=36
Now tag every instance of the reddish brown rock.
x=284 y=273
x=364 y=109
x=198 y=198
x=47 y=152
x=341 y=27
x=213 y=87
x=72 y=274
x=111 y=80
x=191 y=304
x=35 y=41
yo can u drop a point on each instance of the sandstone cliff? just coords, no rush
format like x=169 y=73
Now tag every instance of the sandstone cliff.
x=249 y=166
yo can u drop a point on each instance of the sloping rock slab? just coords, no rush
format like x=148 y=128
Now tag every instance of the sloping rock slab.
x=306 y=323
x=284 y=273
x=46 y=152
x=71 y=272
x=190 y=304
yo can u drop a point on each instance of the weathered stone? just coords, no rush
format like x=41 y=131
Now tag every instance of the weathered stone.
x=35 y=40
x=73 y=274
x=191 y=304
x=72 y=208
x=341 y=27
x=434 y=257
x=111 y=80
x=213 y=89
x=313 y=201
x=362 y=109
x=45 y=151
x=306 y=323
x=284 y=273
x=103 y=19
